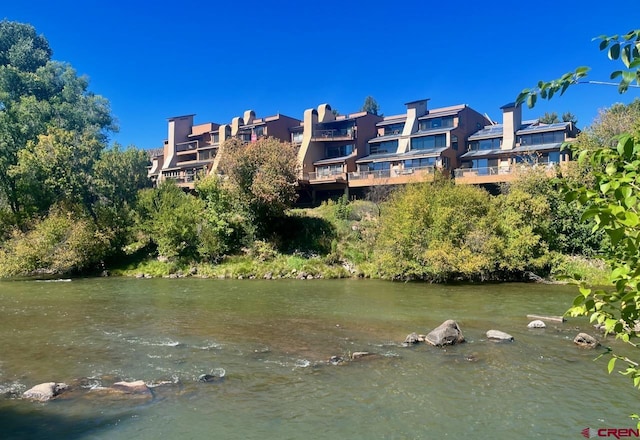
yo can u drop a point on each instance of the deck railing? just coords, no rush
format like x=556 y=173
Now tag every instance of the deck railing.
x=391 y=173
x=336 y=133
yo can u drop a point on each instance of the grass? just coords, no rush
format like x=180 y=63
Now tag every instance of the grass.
x=592 y=271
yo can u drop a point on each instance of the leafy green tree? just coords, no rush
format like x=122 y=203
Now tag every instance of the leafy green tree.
x=118 y=176
x=370 y=105
x=36 y=95
x=221 y=227
x=170 y=218
x=444 y=232
x=57 y=169
x=561 y=227
x=262 y=178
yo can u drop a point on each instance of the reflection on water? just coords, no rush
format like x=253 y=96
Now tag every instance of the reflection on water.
x=273 y=340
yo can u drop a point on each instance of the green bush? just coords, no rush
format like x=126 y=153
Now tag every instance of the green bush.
x=61 y=243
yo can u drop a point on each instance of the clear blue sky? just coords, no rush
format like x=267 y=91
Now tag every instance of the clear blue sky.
x=154 y=60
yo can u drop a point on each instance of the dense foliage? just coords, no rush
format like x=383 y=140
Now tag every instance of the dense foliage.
x=65 y=198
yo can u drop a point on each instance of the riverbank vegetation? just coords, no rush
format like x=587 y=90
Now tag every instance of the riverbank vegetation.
x=72 y=204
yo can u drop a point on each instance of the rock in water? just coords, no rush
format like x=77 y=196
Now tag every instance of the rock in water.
x=537 y=324
x=499 y=336
x=136 y=387
x=448 y=333
x=360 y=354
x=586 y=341
x=411 y=339
x=45 y=391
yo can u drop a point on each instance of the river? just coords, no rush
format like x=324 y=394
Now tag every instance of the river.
x=273 y=340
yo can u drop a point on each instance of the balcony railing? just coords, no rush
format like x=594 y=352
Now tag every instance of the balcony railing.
x=187 y=146
x=483 y=171
x=336 y=133
x=391 y=174
x=336 y=175
x=500 y=170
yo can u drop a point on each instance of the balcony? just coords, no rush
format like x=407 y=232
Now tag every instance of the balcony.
x=186 y=147
x=327 y=177
x=499 y=174
x=391 y=176
x=334 y=134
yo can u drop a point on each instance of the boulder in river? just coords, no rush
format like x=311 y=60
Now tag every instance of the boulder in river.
x=45 y=391
x=585 y=340
x=537 y=324
x=447 y=333
x=499 y=335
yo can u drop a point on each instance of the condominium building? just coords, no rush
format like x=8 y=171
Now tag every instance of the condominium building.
x=497 y=151
x=330 y=145
x=193 y=149
x=342 y=153
x=410 y=147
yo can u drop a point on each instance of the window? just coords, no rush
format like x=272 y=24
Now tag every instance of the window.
x=430 y=124
x=259 y=131
x=486 y=144
x=484 y=166
x=332 y=151
x=383 y=147
x=429 y=142
x=378 y=166
x=551 y=137
x=215 y=138
x=454 y=142
x=207 y=154
x=420 y=163
x=393 y=129
x=296 y=138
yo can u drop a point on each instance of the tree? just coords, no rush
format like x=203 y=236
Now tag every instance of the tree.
x=262 y=178
x=445 y=232
x=549 y=118
x=370 y=105
x=57 y=169
x=569 y=117
x=36 y=96
x=612 y=202
x=170 y=218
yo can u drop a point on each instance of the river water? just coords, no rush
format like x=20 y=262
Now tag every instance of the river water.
x=273 y=340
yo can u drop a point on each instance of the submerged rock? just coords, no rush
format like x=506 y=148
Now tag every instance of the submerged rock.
x=336 y=360
x=361 y=354
x=499 y=335
x=45 y=391
x=585 y=340
x=135 y=387
x=447 y=333
x=216 y=375
x=537 y=324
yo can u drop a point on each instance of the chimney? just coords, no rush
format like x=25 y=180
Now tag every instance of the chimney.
x=415 y=109
x=511 y=122
x=178 y=131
